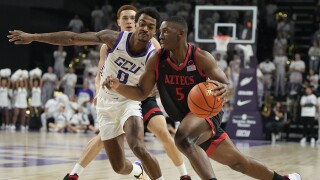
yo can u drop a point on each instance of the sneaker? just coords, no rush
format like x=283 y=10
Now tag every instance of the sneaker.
x=71 y=177
x=313 y=141
x=293 y=176
x=142 y=175
x=185 y=177
x=273 y=138
x=303 y=140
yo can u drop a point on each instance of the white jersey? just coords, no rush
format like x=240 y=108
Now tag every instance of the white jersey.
x=122 y=64
x=4 y=97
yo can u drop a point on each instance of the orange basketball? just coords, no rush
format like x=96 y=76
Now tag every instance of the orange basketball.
x=202 y=102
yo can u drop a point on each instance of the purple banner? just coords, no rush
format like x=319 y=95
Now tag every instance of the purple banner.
x=245 y=120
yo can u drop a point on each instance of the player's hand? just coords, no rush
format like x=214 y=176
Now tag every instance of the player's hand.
x=111 y=83
x=221 y=90
x=19 y=37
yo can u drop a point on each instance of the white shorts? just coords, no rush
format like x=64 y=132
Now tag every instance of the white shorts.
x=112 y=115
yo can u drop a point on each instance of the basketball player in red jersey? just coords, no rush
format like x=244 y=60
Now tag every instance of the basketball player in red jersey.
x=176 y=68
x=119 y=118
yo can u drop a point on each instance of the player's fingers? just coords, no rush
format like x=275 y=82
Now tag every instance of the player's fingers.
x=14 y=38
x=223 y=95
x=20 y=42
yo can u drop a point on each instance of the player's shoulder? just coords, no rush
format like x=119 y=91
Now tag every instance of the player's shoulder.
x=200 y=53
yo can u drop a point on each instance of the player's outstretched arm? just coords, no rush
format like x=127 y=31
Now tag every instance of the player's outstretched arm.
x=209 y=66
x=65 y=38
x=143 y=89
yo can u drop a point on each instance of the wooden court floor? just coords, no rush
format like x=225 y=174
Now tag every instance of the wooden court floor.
x=41 y=155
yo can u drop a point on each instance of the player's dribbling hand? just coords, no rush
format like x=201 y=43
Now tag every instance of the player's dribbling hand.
x=220 y=90
x=111 y=83
x=19 y=37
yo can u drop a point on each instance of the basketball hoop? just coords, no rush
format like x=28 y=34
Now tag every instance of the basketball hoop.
x=222 y=42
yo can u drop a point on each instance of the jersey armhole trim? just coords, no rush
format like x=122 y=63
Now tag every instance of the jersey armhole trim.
x=117 y=42
x=197 y=62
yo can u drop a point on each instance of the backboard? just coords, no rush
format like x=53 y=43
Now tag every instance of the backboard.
x=238 y=22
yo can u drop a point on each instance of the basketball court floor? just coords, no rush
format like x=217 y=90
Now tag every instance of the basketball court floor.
x=41 y=155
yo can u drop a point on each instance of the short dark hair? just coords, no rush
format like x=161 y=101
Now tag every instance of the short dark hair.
x=150 y=11
x=179 y=21
x=125 y=7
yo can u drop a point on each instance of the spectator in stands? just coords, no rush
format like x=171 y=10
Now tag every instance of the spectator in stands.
x=280 y=42
x=60 y=119
x=80 y=122
x=280 y=61
x=97 y=16
x=47 y=116
x=85 y=94
x=222 y=64
x=296 y=69
x=59 y=57
x=313 y=78
x=308 y=104
x=260 y=87
x=286 y=26
x=267 y=68
x=314 y=56
x=235 y=65
x=49 y=81
x=69 y=81
x=71 y=105
x=275 y=121
x=76 y=24
x=294 y=91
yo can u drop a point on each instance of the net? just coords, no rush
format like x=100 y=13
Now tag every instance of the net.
x=222 y=42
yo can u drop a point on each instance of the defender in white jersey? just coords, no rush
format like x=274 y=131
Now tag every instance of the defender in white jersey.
x=122 y=64
x=147 y=22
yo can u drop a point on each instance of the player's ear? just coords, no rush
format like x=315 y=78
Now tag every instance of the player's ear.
x=182 y=32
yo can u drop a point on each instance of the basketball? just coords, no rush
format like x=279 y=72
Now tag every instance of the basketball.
x=202 y=102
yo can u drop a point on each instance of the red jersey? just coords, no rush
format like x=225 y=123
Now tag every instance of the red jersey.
x=175 y=82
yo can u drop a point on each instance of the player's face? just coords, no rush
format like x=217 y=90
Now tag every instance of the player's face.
x=126 y=20
x=146 y=27
x=168 y=36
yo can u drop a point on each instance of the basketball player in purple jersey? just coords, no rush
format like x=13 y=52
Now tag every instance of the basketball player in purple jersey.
x=176 y=68
x=118 y=117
